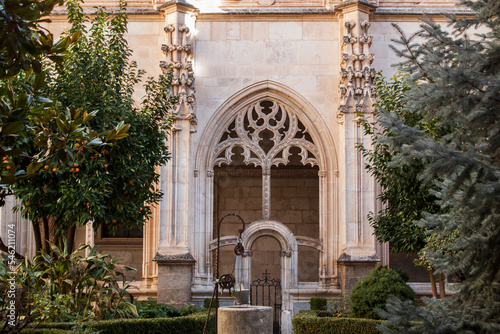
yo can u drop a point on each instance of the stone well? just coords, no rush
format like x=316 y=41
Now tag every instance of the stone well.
x=245 y=319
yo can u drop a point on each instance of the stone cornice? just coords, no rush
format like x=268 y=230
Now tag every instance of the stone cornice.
x=282 y=11
x=129 y=11
x=423 y=11
x=356 y=3
x=178 y=4
x=269 y=11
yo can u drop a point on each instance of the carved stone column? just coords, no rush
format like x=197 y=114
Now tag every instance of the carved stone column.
x=18 y=228
x=149 y=246
x=355 y=90
x=174 y=259
x=89 y=236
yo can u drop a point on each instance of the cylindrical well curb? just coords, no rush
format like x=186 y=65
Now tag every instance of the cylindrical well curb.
x=245 y=319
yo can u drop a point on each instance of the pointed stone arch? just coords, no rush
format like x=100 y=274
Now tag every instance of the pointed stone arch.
x=325 y=157
x=268 y=89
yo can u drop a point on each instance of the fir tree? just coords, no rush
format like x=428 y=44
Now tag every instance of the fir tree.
x=455 y=80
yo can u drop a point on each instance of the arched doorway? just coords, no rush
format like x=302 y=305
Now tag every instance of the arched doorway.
x=271 y=245
x=264 y=145
x=266 y=165
x=265 y=285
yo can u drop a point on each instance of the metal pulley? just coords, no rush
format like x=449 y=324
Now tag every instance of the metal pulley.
x=239 y=249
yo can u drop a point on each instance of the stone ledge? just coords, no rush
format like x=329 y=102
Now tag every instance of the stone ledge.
x=176 y=2
x=358 y=259
x=423 y=11
x=270 y=11
x=129 y=11
x=174 y=258
x=353 y=2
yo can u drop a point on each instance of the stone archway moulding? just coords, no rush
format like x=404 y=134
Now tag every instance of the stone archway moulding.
x=312 y=119
x=289 y=254
x=203 y=177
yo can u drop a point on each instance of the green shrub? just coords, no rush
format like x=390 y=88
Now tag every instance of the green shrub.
x=45 y=331
x=318 y=304
x=403 y=273
x=324 y=314
x=206 y=303
x=69 y=287
x=306 y=322
x=373 y=291
x=151 y=309
x=190 y=308
x=191 y=324
x=340 y=307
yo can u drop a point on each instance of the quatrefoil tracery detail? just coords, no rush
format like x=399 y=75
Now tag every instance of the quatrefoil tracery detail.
x=266 y=131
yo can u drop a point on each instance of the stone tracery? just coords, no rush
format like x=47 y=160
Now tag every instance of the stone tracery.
x=266 y=131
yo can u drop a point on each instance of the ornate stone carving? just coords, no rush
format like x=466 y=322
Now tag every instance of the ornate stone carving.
x=179 y=54
x=355 y=88
x=266 y=131
x=275 y=173
x=266 y=2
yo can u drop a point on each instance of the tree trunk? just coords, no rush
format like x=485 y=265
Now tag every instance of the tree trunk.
x=38 y=237
x=70 y=237
x=46 y=236
x=433 y=283
x=5 y=248
x=442 y=291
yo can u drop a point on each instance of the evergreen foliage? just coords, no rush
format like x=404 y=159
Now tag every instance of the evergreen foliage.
x=192 y=323
x=404 y=196
x=112 y=186
x=307 y=322
x=373 y=291
x=66 y=287
x=455 y=80
x=24 y=110
x=151 y=309
x=318 y=304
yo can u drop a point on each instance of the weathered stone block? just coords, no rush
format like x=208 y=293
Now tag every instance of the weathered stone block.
x=352 y=269
x=281 y=52
x=245 y=319
x=174 y=278
x=285 y=31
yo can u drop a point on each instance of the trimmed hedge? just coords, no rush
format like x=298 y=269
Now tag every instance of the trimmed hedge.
x=53 y=325
x=44 y=331
x=306 y=322
x=318 y=304
x=180 y=325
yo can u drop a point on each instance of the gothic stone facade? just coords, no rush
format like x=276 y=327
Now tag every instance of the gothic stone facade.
x=267 y=124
